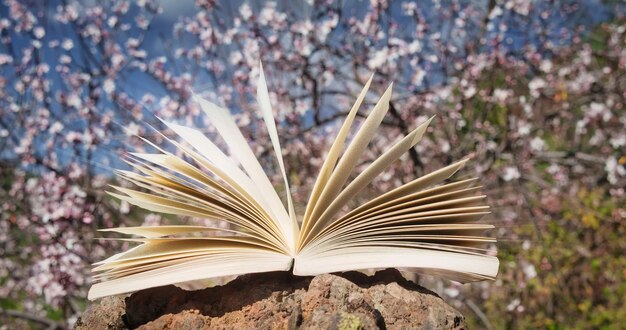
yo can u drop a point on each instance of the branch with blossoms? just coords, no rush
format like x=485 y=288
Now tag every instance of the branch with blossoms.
x=532 y=91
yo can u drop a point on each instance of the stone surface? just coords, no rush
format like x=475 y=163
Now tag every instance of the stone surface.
x=280 y=300
x=107 y=313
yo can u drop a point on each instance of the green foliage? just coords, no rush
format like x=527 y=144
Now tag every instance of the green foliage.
x=581 y=269
x=563 y=264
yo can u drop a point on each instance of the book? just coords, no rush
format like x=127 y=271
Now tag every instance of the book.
x=428 y=225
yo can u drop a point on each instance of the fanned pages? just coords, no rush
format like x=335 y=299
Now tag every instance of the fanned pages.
x=427 y=225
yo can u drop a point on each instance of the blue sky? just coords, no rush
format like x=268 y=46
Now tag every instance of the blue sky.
x=591 y=12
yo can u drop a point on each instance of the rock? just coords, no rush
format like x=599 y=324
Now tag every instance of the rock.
x=107 y=313
x=280 y=300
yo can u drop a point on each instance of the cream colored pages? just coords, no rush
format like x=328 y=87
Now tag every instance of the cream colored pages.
x=459 y=266
x=176 y=191
x=155 y=247
x=413 y=186
x=209 y=256
x=226 y=262
x=248 y=193
x=169 y=204
x=246 y=200
x=239 y=148
x=397 y=229
x=459 y=205
x=443 y=218
x=263 y=98
x=444 y=192
x=331 y=159
x=248 y=212
x=227 y=211
x=348 y=161
x=213 y=154
x=160 y=231
x=373 y=170
x=426 y=225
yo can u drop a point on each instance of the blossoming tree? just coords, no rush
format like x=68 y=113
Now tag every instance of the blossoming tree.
x=533 y=91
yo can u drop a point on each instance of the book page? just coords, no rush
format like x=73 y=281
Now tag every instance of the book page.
x=169 y=206
x=453 y=205
x=373 y=170
x=212 y=153
x=224 y=261
x=239 y=148
x=433 y=231
x=257 y=219
x=160 y=231
x=453 y=229
x=213 y=159
x=172 y=185
x=348 y=161
x=335 y=238
x=263 y=98
x=126 y=270
x=242 y=189
x=414 y=186
x=464 y=267
x=444 y=192
x=332 y=157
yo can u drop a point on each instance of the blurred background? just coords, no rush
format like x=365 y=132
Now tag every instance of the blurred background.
x=534 y=91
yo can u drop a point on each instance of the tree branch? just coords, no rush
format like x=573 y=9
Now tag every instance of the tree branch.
x=33 y=318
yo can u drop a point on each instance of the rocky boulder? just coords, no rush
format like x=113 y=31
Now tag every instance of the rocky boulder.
x=280 y=300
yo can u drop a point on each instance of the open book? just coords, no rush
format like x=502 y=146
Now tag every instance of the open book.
x=424 y=225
